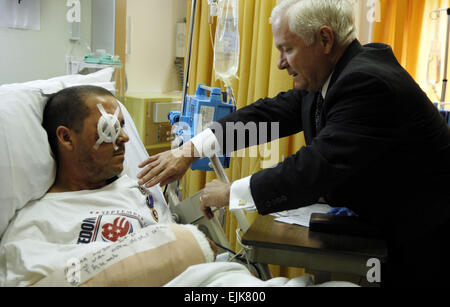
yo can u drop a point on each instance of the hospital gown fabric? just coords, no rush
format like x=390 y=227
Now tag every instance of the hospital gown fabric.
x=50 y=231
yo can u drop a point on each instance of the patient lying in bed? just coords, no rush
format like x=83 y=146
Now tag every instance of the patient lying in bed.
x=101 y=221
x=88 y=204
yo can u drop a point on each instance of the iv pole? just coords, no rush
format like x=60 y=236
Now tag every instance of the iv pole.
x=215 y=163
x=444 y=81
x=172 y=190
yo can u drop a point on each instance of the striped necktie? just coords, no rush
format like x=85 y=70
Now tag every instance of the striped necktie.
x=319 y=107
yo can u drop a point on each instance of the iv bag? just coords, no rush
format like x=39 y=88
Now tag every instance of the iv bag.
x=226 y=46
x=434 y=58
x=434 y=63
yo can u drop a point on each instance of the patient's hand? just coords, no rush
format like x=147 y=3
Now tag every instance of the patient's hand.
x=215 y=194
x=166 y=167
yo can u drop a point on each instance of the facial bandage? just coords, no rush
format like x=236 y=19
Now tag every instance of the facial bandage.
x=108 y=127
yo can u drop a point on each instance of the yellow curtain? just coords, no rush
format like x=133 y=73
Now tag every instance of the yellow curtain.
x=408 y=26
x=258 y=77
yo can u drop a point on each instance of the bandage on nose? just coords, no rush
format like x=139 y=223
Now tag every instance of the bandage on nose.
x=108 y=127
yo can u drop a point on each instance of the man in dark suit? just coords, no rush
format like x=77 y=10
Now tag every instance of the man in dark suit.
x=375 y=142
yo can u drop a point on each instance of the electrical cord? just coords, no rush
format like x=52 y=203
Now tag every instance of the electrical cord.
x=240 y=258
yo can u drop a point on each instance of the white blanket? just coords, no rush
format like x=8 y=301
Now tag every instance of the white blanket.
x=230 y=274
x=48 y=232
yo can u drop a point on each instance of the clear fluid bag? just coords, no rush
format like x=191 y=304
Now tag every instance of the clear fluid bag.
x=434 y=63
x=434 y=57
x=226 y=46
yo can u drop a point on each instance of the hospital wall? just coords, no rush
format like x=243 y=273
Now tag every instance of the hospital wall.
x=30 y=54
x=27 y=55
x=150 y=63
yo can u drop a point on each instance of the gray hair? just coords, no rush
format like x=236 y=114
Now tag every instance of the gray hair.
x=305 y=17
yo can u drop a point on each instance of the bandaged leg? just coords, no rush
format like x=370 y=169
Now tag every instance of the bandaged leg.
x=151 y=256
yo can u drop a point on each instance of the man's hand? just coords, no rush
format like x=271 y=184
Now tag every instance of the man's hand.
x=167 y=167
x=215 y=194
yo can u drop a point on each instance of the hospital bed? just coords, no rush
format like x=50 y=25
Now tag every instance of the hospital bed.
x=28 y=170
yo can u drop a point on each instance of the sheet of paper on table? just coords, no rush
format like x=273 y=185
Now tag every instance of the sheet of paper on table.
x=301 y=216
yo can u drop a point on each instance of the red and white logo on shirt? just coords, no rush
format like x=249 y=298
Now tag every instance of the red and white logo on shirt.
x=119 y=228
x=108 y=227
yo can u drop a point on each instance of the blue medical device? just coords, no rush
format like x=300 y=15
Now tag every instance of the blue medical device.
x=199 y=111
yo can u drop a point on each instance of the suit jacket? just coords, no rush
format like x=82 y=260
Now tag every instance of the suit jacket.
x=383 y=149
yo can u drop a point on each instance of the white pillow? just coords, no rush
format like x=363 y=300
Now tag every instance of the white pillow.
x=101 y=76
x=56 y=84
x=27 y=169
x=26 y=166
x=46 y=87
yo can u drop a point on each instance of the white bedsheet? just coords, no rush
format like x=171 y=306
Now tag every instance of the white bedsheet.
x=230 y=274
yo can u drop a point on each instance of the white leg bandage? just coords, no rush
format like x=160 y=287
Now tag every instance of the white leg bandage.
x=108 y=127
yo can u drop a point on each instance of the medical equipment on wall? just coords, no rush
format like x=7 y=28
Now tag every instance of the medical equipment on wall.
x=103 y=58
x=96 y=61
x=180 y=46
x=200 y=111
